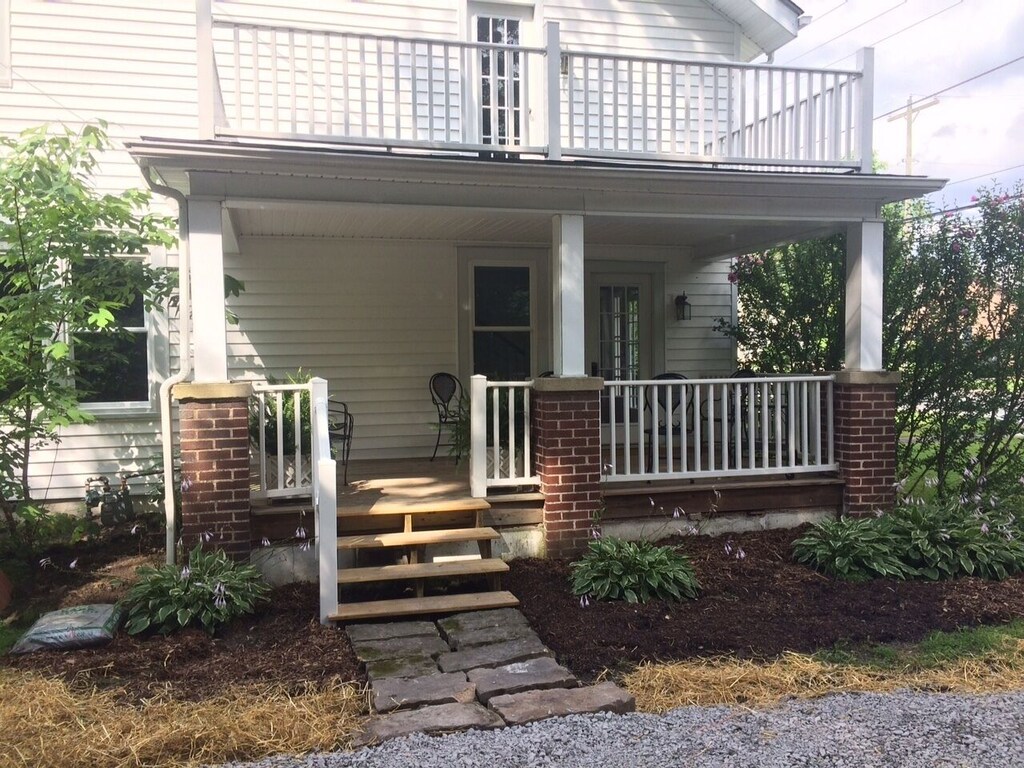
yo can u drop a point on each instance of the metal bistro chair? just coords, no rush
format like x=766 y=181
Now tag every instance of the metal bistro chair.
x=447 y=394
x=665 y=422
x=340 y=425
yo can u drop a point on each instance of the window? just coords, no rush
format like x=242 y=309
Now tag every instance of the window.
x=502 y=322
x=113 y=366
x=501 y=112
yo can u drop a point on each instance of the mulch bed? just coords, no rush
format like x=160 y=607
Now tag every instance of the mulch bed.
x=757 y=606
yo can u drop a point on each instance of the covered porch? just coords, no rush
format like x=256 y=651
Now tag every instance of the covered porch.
x=361 y=269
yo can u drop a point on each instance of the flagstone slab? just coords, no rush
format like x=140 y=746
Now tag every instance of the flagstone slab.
x=470 y=620
x=534 y=674
x=405 y=693
x=390 y=630
x=414 y=666
x=494 y=655
x=399 y=647
x=461 y=639
x=440 y=718
x=527 y=707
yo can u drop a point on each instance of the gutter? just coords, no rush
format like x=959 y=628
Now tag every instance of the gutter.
x=185 y=356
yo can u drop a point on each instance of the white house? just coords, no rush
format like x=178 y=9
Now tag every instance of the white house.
x=502 y=189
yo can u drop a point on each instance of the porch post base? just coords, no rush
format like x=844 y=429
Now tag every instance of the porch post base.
x=865 y=439
x=215 y=507
x=567 y=432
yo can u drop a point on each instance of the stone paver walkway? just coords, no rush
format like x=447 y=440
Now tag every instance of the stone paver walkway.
x=483 y=669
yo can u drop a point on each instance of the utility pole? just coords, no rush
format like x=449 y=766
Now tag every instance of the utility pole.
x=909 y=114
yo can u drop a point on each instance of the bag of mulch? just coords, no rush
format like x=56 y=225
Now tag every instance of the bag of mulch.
x=83 y=626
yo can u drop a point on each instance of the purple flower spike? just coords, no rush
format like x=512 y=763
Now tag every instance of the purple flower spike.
x=677 y=512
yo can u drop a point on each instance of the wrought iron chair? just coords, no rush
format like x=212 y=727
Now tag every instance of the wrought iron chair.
x=447 y=395
x=340 y=426
x=663 y=407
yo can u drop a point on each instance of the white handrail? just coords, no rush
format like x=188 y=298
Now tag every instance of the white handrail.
x=717 y=427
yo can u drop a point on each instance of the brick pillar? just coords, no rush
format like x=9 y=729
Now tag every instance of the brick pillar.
x=215 y=466
x=865 y=439
x=567 y=443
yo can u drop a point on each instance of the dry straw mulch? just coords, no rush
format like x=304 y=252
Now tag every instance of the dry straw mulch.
x=727 y=681
x=46 y=723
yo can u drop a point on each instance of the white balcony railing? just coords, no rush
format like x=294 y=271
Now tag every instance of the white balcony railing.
x=322 y=85
x=501 y=443
x=703 y=428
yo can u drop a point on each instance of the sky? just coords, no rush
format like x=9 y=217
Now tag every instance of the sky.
x=976 y=131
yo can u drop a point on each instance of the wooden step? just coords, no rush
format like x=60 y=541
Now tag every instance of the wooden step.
x=446 y=568
x=410 y=606
x=398 y=506
x=416 y=538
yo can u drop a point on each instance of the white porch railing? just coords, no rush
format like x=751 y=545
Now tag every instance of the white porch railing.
x=501 y=444
x=264 y=81
x=285 y=466
x=701 y=428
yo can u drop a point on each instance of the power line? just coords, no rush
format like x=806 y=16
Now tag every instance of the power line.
x=901 y=31
x=956 y=85
x=986 y=175
x=848 y=31
x=959 y=208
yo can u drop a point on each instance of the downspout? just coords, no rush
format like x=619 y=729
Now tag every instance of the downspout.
x=184 y=354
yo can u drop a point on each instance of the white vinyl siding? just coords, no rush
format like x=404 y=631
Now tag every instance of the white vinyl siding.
x=5 y=43
x=375 y=319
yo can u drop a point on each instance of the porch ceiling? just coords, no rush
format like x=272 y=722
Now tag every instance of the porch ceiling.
x=318 y=191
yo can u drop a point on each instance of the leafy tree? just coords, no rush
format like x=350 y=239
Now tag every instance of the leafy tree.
x=953 y=290
x=60 y=280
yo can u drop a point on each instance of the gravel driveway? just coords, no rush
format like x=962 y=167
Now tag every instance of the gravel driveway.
x=901 y=730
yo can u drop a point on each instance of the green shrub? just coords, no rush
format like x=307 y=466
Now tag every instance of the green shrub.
x=946 y=540
x=209 y=592
x=855 y=549
x=635 y=571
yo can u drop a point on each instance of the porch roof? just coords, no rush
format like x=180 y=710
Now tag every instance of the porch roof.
x=365 y=194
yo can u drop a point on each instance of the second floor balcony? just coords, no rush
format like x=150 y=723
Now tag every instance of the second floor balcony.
x=417 y=94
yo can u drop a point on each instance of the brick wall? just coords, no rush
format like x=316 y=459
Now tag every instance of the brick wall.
x=865 y=439
x=567 y=440
x=215 y=470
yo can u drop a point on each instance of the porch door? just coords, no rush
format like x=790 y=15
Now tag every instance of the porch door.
x=619 y=331
x=500 y=73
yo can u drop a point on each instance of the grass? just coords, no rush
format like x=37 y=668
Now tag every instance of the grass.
x=981 y=660
x=9 y=635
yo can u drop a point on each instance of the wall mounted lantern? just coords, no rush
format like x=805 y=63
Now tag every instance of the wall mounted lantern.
x=684 y=310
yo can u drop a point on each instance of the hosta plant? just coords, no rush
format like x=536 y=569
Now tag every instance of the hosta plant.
x=856 y=549
x=635 y=571
x=208 y=592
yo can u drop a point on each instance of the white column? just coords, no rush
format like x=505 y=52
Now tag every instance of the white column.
x=567 y=283
x=864 y=296
x=206 y=251
x=205 y=68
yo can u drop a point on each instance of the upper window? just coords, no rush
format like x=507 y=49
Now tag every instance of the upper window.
x=501 y=113
x=113 y=366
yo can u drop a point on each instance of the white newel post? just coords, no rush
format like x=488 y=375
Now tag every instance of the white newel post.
x=554 y=89
x=478 y=436
x=206 y=248
x=866 y=116
x=864 y=296
x=567 y=284
x=327 y=536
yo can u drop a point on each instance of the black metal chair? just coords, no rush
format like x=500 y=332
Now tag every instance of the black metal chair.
x=663 y=407
x=340 y=425
x=447 y=395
